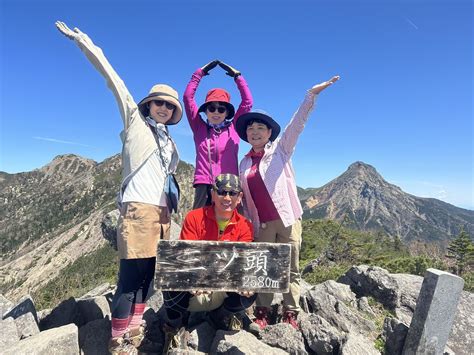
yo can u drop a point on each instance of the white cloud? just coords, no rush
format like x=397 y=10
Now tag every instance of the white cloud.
x=54 y=140
x=410 y=22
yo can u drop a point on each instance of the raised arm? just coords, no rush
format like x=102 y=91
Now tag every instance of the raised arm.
x=95 y=55
x=295 y=127
x=190 y=92
x=246 y=102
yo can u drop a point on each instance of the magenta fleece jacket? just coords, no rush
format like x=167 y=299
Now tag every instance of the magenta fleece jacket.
x=224 y=146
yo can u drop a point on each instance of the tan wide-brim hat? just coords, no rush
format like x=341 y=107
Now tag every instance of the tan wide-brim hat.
x=165 y=93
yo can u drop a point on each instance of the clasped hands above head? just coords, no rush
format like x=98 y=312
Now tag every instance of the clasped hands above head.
x=229 y=70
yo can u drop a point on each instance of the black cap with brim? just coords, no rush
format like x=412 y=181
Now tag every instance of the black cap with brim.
x=260 y=116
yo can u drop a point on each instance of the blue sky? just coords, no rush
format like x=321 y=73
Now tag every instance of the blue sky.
x=403 y=105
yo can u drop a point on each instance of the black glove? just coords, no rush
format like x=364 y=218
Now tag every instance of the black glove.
x=229 y=70
x=209 y=66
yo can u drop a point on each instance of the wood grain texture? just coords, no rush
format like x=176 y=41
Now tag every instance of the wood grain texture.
x=222 y=266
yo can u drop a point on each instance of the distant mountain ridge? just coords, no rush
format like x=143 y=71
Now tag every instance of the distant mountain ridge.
x=51 y=216
x=365 y=201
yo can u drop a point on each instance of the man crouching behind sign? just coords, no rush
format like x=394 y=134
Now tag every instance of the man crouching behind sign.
x=218 y=222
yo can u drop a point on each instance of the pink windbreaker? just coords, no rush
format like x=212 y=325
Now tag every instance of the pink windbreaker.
x=224 y=146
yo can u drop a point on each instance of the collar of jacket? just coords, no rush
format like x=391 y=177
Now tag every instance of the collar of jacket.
x=156 y=125
x=223 y=124
x=211 y=214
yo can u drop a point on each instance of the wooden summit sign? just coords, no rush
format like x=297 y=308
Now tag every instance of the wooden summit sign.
x=183 y=265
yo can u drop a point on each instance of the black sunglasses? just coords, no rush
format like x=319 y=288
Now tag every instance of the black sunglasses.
x=225 y=193
x=161 y=102
x=220 y=109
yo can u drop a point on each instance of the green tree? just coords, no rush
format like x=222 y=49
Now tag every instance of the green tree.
x=461 y=249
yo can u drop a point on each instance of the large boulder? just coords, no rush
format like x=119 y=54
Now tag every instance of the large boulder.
x=66 y=312
x=9 y=334
x=409 y=286
x=356 y=344
x=91 y=309
x=338 y=305
x=322 y=337
x=58 y=341
x=94 y=337
x=461 y=338
x=285 y=337
x=26 y=325
x=373 y=281
x=394 y=333
x=242 y=342
x=23 y=306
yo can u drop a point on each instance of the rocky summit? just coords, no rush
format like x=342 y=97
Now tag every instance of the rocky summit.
x=365 y=201
x=347 y=317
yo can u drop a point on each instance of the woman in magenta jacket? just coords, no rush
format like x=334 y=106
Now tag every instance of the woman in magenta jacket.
x=215 y=138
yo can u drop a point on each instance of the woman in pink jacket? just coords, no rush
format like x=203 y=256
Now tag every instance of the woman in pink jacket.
x=270 y=196
x=215 y=138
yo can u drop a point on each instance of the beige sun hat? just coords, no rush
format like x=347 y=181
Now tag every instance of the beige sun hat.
x=165 y=93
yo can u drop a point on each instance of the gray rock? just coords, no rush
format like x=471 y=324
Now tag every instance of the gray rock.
x=394 y=333
x=409 y=286
x=92 y=308
x=462 y=334
x=356 y=344
x=363 y=305
x=434 y=314
x=5 y=305
x=337 y=304
x=304 y=288
x=242 y=342
x=57 y=341
x=201 y=337
x=94 y=337
x=373 y=281
x=25 y=305
x=100 y=290
x=66 y=312
x=285 y=337
x=461 y=338
x=26 y=325
x=109 y=227
x=9 y=334
x=321 y=336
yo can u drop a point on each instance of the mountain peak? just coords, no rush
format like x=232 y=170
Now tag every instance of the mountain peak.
x=69 y=164
x=362 y=171
x=361 y=166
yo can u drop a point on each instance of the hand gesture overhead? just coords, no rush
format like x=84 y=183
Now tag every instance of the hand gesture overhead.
x=62 y=27
x=316 y=89
x=209 y=66
x=229 y=70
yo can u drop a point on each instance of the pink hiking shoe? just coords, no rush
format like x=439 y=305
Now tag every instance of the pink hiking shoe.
x=290 y=318
x=262 y=318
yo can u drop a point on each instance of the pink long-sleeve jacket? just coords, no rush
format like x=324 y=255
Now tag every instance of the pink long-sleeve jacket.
x=224 y=146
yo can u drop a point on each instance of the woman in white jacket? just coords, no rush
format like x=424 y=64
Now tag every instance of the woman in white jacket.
x=149 y=154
